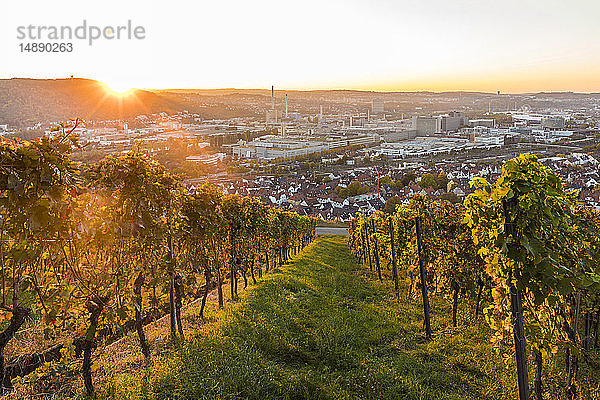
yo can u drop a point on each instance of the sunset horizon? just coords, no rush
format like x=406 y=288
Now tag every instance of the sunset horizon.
x=511 y=46
x=122 y=86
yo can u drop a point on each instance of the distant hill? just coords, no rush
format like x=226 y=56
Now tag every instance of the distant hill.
x=24 y=102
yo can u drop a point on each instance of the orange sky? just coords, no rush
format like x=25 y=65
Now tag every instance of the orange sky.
x=399 y=45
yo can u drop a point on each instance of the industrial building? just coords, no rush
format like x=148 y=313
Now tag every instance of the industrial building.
x=270 y=147
x=377 y=106
x=553 y=122
x=425 y=126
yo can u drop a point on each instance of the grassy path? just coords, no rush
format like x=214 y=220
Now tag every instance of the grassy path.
x=322 y=327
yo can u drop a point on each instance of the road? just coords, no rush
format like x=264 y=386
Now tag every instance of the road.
x=326 y=230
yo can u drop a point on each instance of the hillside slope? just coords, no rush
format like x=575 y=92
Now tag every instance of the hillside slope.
x=24 y=102
x=323 y=328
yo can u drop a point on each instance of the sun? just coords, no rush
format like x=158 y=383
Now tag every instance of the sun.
x=118 y=89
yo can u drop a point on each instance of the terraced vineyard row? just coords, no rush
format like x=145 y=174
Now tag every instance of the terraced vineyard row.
x=88 y=254
x=523 y=251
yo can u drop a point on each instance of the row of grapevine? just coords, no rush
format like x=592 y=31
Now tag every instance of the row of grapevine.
x=97 y=251
x=525 y=241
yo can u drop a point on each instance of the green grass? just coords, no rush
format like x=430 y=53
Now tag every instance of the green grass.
x=323 y=328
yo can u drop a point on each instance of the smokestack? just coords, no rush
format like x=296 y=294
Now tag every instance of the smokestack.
x=272 y=97
x=286 y=108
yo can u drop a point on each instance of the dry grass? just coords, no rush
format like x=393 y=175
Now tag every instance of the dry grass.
x=30 y=339
x=125 y=355
x=122 y=357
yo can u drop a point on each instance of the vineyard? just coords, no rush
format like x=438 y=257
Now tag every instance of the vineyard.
x=521 y=253
x=89 y=254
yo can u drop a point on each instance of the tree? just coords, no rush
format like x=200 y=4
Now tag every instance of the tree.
x=391 y=203
x=408 y=178
x=442 y=181
x=451 y=197
x=428 y=181
x=353 y=189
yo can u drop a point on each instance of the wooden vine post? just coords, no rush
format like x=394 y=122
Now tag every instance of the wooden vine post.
x=368 y=246
x=423 y=279
x=376 y=250
x=171 y=270
x=516 y=308
x=363 y=247
x=393 y=246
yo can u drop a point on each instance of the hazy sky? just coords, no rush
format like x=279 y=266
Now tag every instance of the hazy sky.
x=488 y=45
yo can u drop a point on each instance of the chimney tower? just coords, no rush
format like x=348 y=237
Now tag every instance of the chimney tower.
x=272 y=97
